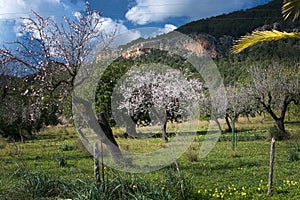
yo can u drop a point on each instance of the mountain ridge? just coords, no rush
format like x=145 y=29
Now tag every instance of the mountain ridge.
x=216 y=35
x=239 y=23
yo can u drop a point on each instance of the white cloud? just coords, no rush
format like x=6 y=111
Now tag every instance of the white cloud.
x=167 y=28
x=152 y=32
x=122 y=34
x=22 y=8
x=11 y=14
x=147 y=11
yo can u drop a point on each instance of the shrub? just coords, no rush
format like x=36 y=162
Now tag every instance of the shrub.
x=274 y=131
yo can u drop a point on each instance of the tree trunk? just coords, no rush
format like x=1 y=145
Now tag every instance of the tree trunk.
x=218 y=124
x=29 y=128
x=104 y=133
x=111 y=143
x=162 y=116
x=131 y=129
x=84 y=140
x=280 y=125
x=279 y=120
x=248 y=119
x=228 y=124
x=21 y=135
x=164 y=130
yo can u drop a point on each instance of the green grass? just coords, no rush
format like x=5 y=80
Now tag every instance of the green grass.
x=54 y=164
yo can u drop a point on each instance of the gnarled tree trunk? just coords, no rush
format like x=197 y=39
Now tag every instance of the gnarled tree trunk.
x=111 y=143
x=280 y=125
x=228 y=124
x=163 y=125
x=218 y=123
x=104 y=132
x=131 y=128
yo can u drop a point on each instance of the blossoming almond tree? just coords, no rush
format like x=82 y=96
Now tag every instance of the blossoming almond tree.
x=49 y=54
x=164 y=93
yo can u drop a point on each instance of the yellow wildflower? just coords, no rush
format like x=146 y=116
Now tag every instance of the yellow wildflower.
x=293 y=183
x=216 y=195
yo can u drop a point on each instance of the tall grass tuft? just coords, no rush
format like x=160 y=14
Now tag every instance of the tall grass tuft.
x=38 y=185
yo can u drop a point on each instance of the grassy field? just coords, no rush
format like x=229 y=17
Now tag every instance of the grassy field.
x=55 y=165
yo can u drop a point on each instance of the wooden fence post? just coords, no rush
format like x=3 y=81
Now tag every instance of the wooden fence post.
x=96 y=164
x=272 y=153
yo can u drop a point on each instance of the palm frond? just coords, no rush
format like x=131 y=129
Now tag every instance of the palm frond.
x=261 y=36
x=291 y=8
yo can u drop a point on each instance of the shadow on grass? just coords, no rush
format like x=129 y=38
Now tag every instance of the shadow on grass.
x=293 y=122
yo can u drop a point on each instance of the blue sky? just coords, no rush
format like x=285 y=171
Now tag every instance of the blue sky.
x=135 y=13
x=123 y=14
